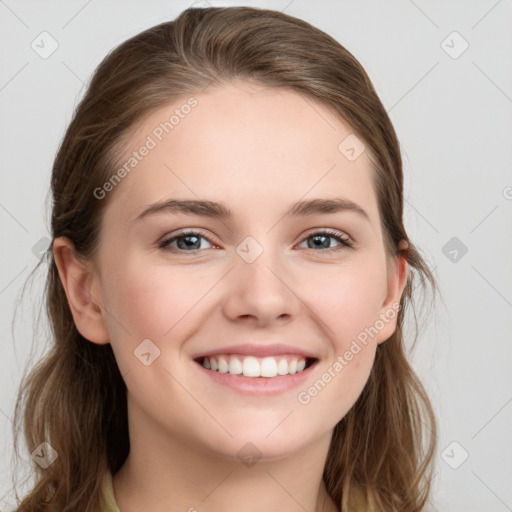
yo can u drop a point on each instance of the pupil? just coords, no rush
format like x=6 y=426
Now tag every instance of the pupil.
x=324 y=243
x=187 y=243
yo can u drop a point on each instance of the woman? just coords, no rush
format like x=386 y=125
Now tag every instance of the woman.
x=227 y=284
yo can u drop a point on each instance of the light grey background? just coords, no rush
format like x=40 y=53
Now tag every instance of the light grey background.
x=453 y=117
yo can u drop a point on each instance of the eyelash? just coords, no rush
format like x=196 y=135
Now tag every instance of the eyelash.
x=343 y=240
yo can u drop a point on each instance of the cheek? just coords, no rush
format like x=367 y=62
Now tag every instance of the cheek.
x=154 y=301
x=348 y=302
x=151 y=303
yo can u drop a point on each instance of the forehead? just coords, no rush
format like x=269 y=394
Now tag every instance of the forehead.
x=245 y=145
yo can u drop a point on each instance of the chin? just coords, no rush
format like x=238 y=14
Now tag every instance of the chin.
x=252 y=445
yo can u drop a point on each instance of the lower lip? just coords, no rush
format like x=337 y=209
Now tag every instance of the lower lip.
x=266 y=386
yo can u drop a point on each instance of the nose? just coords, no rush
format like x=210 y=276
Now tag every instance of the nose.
x=261 y=292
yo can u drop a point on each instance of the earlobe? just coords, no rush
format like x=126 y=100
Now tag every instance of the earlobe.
x=79 y=281
x=396 y=285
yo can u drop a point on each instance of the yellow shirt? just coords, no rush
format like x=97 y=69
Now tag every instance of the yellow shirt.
x=359 y=503
x=108 y=495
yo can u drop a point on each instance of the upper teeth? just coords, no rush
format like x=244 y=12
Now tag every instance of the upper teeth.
x=251 y=366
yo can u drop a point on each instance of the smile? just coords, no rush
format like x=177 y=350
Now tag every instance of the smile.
x=251 y=366
x=266 y=376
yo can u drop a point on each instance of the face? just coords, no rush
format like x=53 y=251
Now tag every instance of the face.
x=271 y=272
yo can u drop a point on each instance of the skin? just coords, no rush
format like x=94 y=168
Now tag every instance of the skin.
x=259 y=151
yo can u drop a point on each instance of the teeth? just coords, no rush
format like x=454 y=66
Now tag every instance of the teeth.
x=251 y=366
x=282 y=367
x=268 y=367
x=235 y=366
x=223 y=364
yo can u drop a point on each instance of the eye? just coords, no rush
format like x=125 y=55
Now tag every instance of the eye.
x=321 y=240
x=187 y=241
x=190 y=241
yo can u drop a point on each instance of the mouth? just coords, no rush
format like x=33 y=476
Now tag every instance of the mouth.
x=253 y=367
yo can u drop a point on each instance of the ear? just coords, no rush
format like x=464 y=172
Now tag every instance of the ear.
x=82 y=288
x=397 y=279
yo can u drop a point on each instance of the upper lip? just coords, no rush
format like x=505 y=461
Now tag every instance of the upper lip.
x=248 y=349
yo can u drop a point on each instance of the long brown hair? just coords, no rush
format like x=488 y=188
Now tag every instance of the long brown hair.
x=75 y=397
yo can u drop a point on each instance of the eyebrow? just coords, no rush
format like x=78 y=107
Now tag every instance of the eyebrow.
x=221 y=211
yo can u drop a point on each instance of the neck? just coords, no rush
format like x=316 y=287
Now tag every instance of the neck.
x=166 y=472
